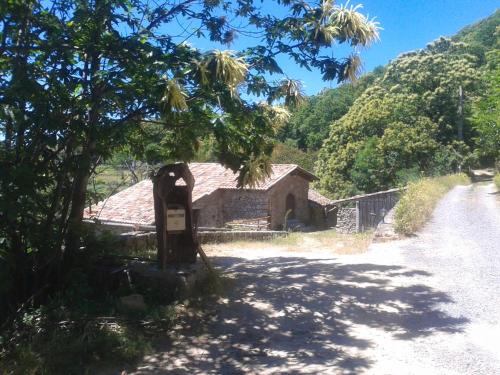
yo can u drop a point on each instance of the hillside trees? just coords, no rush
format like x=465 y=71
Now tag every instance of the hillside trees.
x=77 y=78
x=406 y=119
x=310 y=122
x=485 y=114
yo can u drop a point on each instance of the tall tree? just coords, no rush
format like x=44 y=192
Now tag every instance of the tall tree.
x=486 y=109
x=77 y=76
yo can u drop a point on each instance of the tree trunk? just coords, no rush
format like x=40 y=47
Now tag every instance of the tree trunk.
x=75 y=217
x=88 y=155
x=460 y=122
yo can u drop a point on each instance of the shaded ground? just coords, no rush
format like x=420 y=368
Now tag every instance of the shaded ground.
x=479 y=175
x=429 y=305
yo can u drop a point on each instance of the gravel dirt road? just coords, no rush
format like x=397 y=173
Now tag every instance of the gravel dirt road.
x=425 y=305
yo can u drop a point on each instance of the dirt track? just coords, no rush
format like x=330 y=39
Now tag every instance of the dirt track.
x=426 y=305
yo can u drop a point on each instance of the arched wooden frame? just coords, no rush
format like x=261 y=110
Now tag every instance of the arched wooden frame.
x=174 y=247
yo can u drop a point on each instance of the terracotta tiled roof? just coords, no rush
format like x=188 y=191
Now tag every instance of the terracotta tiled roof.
x=316 y=197
x=135 y=205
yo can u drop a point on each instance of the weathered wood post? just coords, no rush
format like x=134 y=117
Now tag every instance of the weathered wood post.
x=358 y=218
x=175 y=225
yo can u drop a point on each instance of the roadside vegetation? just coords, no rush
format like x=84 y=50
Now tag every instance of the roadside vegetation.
x=73 y=334
x=87 y=328
x=418 y=202
x=496 y=180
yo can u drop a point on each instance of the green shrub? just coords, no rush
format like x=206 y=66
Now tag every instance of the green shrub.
x=496 y=180
x=418 y=202
x=45 y=343
x=367 y=173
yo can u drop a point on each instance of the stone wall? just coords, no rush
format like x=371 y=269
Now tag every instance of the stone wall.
x=368 y=212
x=291 y=184
x=210 y=210
x=243 y=204
x=317 y=215
x=130 y=242
x=116 y=228
x=346 y=219
x=240 y=235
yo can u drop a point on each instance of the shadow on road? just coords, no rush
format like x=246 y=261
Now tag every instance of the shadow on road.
x=482 y=175
x=296 y=315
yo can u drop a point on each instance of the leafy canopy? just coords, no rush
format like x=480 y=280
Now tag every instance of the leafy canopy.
x=310 y=122
x=80 y=78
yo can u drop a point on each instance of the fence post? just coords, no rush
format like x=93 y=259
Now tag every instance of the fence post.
x=358 y=218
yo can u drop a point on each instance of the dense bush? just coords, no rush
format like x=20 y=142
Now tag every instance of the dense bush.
x=284 y=153
x=418 y=202
x=78 y=332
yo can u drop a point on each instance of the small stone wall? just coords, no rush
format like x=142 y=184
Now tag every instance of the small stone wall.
x=116 y=228
x=369 y=211
x=130 y=242
x=239 y=235
x=346 y=220
x=135 y=241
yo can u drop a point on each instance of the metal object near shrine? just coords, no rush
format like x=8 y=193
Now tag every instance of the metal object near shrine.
x=175 y=223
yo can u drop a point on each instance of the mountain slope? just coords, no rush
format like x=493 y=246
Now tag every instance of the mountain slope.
x=411 y=121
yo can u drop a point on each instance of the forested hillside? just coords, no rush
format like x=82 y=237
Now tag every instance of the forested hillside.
x=428 y=112
x=310 y=123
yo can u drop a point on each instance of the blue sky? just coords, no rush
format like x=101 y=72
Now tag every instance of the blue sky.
x=410 y=25
x=407 y=25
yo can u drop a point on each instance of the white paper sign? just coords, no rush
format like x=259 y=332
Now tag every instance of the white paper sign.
x=176 y=219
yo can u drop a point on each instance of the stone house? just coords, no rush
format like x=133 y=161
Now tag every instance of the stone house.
x=219 y=201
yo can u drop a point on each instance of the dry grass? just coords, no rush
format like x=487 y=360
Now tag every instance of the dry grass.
x=417 y=204
x=111 y=175
x=328 y=241
x=496 y=180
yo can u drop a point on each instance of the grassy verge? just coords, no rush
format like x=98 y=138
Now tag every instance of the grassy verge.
x=328 y=240
x=418 y=202
x=496 y=180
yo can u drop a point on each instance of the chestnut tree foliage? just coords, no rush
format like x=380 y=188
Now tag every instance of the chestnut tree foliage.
x=411 y=120
x=310 y=122
x=79 y=77
x=406 y=123
x=485 y=113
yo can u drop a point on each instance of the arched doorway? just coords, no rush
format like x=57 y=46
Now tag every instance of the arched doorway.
x=290 y=206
